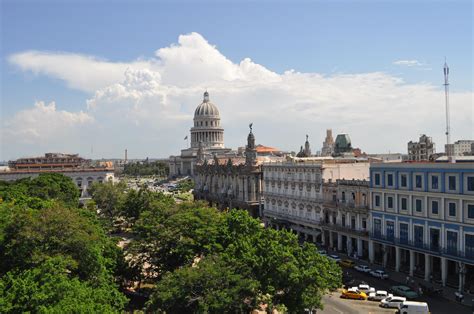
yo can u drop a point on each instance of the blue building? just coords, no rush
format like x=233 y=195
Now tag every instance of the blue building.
x=422 y=220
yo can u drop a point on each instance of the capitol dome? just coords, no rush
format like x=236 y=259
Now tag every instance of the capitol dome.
x=207 y=126
x=206 y=108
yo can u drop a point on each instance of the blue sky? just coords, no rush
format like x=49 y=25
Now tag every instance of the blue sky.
x=324 y=37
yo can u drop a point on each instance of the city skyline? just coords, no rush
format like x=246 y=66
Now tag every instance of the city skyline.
x=71 y=97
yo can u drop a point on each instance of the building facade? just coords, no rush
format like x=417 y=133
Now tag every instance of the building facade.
x=421 y=150
x=231 y=182
x=82 y=171
x=460 y=148
x=422 y=220
x=328 y=144
x=320 y=200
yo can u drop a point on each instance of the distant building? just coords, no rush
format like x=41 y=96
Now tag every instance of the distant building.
x=421 y=150
x=459 y=148
x=82 y=171
x=328 y=144
x=343 y=146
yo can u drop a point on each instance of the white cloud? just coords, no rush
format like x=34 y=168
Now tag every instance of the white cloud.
x=409 y=63
x=148 y=108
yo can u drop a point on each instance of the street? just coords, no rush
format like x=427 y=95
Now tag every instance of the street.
x=333 y=304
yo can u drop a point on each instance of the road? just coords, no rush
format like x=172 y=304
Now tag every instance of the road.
x=333 y=304
x=437 y=305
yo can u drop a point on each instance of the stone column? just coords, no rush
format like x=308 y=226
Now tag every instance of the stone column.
x=331 y=240
x=323 y=237
x=360 y=247
x=339 y=241
x=349 y=245
x=412 y=262
x=397 y=258
x=371 y=251
x=444 y=270
x=385 y=255
x=427 y=267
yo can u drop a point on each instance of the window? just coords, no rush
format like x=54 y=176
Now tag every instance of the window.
x=343 y=220
x=469 y=244
x=364 y=223
x=404 y=203
x=470 y=211
x=434 y=239
x=403 y=233
x=452 y=242
x=390 y=202
x=418 y=205
x=418 y=181
x=343 y=196
x=470 y=184
x=452 y=209
x=377 y=227
x=434 y=207
x=418 y=235
x=452 y=183
x=390 y=230
x=377 y=200
x=403 y=181
x=353 y=222
x=434 y=182
x=377 y=178
x=390 y=179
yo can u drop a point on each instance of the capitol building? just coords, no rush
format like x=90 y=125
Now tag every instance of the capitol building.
x=206 y=134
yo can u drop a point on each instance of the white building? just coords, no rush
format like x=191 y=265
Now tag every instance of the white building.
x=298 y=196
x=459 y=148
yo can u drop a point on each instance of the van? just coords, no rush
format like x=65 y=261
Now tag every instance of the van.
x=412 y=307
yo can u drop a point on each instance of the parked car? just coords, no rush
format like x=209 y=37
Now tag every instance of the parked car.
x=411 y=307
x=347 y=263
x=362 y=268
x=323 y=252
x=335 y=258
x=392 y=302
x=353 y=293
x=379 y=295
x=379 y=274
x=405 y=291
x=364 y=288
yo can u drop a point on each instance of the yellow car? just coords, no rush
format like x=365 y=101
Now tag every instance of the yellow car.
x=353 y=294
x=347 y=263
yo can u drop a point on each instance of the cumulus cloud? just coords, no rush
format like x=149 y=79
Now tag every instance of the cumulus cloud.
x=147 y=106
x=409 y=63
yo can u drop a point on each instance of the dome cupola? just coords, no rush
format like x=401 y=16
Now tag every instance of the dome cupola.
x=207 y=126
x=206 y=108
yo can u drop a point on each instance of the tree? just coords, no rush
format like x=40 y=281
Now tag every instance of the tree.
x=49 y=287
x=212 y=286
x=109 y=198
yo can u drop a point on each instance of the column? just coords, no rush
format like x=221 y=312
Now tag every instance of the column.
x=323 y=237
x=412 y=262
x=331 y=240
x=444 y=270
x=385 y=255
x=427 y=267
x=397 y=258
x=305 y=236
x=349 y=245
x=462 y=273
x=371 y=251
x=360 y=246
x=339 y=241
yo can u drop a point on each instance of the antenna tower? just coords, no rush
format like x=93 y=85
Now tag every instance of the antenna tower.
x=446 y=93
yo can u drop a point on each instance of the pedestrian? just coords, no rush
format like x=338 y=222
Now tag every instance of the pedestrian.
x=407 y=280
x=420 y=291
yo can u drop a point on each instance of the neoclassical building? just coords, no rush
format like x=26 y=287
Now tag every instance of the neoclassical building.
x=230 y=182
x=206 y=132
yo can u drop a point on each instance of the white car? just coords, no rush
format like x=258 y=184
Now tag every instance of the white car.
x=362 y=268
x=365 y=288
x=379 y=295
x=379 y=274
x=393 y=302
x=336 y=258
x=323 y=252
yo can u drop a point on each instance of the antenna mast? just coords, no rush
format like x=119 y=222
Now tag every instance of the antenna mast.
x=446 y=93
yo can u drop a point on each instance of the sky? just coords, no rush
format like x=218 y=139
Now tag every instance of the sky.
x=97 y=77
